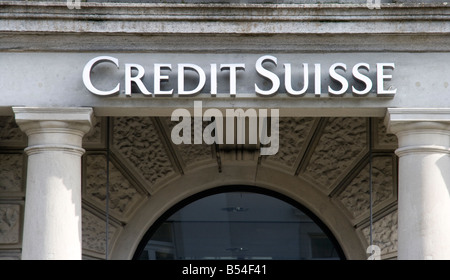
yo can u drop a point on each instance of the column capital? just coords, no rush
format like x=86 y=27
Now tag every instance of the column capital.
x=54 y=129
x=420 y=130
x=29 y=118
x=402 y=119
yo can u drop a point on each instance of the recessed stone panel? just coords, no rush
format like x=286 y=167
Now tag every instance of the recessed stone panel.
x=342 y=141
x=383 y=140
x=356 y=195
x=11 y=172
x=293 y=134
x=384 y=233
x=123 y=196
x=10 y=133
x=137 y=142
x=94 y=233
x=95 y=138
x=191 y=153
x=9 y=223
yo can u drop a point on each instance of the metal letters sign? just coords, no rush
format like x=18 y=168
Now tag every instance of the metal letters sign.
x=356 y=80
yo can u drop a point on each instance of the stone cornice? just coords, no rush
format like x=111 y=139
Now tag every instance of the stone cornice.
x=250 y=19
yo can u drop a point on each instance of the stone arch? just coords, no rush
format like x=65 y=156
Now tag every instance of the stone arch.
x=323 y=164
x=207 y=177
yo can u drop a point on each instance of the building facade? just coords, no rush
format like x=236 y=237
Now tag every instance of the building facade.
x=357 y=91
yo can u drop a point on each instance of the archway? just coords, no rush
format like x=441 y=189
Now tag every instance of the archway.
x=206 y=178
x=238 y=222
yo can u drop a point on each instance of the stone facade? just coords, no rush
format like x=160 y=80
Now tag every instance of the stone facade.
x=138 y=146
x=340 y=146
x=127 y=192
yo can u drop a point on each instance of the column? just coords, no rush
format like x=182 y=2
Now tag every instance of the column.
x=52 y=222
x=424 y=182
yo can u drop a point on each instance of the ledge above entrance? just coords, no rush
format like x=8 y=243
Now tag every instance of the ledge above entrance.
x=151 y=18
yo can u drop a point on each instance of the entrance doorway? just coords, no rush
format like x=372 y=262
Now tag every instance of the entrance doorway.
x=238 y=222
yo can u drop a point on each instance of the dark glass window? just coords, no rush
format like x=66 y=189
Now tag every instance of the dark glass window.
x=238 y=225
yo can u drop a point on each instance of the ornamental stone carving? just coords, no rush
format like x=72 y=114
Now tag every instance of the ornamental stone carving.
x=94 y=138
x=342 y=141
x=94 y=233
x=384 y=233
x=356 y=196
x=9 y=223
x=11 y=170
x=191 y=153
x=122 y=194
x=141 y=146
x=138 y=143
x=293 y=133
x=10 y=132
x=384 y=139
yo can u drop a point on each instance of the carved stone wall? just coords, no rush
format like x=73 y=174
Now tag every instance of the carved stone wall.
x=356 y=197
x=332 y=152
x=11 y=172
x=342 y=143
x=12 y=187
x=137 y=142
x=96 y=137
x=94 y=234
x=123 y=195
x=9 y=223
x=294 y=133
x=382 y=139
x=384 y=234
x=191 y=154
x=10 y=133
